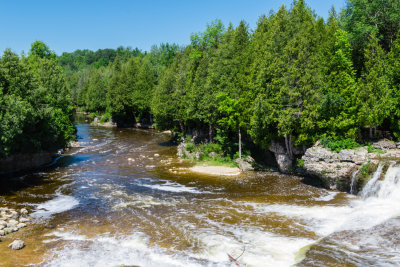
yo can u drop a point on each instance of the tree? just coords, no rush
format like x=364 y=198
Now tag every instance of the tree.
x=374 y=92
x=40 y=49
x=362 y=18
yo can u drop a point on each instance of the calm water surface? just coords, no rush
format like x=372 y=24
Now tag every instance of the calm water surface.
x=115 y=202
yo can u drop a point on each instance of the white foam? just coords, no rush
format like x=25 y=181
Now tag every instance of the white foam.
x=327 y=197
x=113 y=251
x=57 y=205
x=174 y=187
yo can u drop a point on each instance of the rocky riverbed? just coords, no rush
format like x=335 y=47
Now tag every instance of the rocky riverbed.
x=11 y=221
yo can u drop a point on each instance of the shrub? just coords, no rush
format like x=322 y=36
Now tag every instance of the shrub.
x=338 y=144
x=300 y=163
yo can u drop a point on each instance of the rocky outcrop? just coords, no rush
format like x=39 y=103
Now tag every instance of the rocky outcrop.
x=335 y=170
x=109 y=124
x=25 y=162
x=183 y=152
x=283 y=159
x=246 y=164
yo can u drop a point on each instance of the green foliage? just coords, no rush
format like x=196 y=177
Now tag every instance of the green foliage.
x=364 y=168
x=363 y=18
x=372 y=149
x=338 y=144
x=34 y=103
x=295 y=77
x=41 y=50
x=300 y=163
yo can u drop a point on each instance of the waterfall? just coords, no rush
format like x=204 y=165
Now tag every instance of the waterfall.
x=353 y=182
x=372 y=186
x=386 y=188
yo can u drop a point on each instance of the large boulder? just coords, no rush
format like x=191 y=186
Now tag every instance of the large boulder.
x=284 y=161
x=245 y=164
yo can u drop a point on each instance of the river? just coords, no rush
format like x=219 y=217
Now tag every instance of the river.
x=125 y=199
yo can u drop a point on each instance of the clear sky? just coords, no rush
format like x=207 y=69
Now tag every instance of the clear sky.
x=67 y=25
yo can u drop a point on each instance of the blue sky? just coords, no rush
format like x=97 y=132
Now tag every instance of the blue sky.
x=78 y=24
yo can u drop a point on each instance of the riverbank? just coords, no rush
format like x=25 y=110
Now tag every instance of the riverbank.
x=216 y=170
x=25 y=162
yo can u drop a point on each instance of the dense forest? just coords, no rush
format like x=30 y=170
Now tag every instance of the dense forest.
x=295 y=78
x=35 y=107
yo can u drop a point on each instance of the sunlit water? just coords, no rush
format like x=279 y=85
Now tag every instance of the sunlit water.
x=113 y=202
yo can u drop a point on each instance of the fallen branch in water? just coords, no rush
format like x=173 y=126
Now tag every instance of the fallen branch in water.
x=235 y=260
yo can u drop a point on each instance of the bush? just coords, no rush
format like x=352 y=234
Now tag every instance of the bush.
x=300 y=163
x=372 y=149
x=338 y=144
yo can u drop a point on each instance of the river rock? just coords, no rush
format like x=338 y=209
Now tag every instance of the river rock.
x=3 y=223
x=23 y=211
x=17 y=244
x=23 y=220
x=156 y=155
x=13 y=214
x=21 y=225
x=8 y=230
x=12 y=223
x=2 y=233
x=244 y=165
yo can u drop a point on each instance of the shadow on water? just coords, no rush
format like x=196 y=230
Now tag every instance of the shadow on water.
x=10 y=185
x=169 y=143
x=13 y=182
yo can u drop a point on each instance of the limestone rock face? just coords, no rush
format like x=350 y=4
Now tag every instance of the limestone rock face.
x=384 y=144
x=336 y=169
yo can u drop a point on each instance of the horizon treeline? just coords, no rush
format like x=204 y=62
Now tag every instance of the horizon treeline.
x=295 y=78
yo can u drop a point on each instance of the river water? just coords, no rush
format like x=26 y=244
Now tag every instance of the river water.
x=124 y=199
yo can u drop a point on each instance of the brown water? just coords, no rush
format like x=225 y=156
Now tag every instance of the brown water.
x=113 y=202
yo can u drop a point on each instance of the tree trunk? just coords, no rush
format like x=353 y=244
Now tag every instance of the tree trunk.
x=288 y=144
x=210 y=133
x=240 y=143
x=370 y=132
x=375 y=134
x=182 y=127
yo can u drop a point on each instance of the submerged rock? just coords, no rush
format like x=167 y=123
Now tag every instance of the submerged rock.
x=17 y=244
